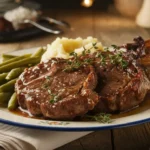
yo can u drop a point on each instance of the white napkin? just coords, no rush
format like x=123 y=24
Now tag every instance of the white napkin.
x=17 y=138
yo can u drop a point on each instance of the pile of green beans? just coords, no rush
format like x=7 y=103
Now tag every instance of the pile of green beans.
x=10 y=69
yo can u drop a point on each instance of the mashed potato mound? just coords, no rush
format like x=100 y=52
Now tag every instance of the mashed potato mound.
x=62 y=47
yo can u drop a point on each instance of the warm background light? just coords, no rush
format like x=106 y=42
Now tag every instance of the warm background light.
x=87 y=3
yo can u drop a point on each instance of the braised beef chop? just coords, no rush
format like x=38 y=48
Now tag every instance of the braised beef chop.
x=104 y=81
x=122 y=89
x=48 y=90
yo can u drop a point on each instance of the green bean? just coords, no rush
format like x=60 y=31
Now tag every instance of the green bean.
x=14 y=73
x=8 y=87
x=13 y=103
x=39 y=52
x=6 y=57
x=15 y=59
x=2 y=77
x=4 y=97
x=20 y=63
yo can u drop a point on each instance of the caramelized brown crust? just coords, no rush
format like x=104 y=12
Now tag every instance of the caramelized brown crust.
x=57 y=94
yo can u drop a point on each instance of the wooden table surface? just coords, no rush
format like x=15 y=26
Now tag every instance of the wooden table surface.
x=109 y=28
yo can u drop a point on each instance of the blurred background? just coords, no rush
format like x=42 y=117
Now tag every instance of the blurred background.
x=20 y=17
x=125 y=7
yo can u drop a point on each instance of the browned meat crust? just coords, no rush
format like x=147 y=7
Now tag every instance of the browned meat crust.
x=55 y=93
x=100 y=82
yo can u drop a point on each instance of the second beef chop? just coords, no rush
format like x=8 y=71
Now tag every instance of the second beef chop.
x=48 y=90
x=122 y=89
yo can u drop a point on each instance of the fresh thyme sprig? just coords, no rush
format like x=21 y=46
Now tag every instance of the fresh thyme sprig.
x=115 y=46
x=47 y=77
x=102 y=58
x=45 y=85
x=115 y=58
x=94 y=45
x=54 y=98
x=76 y=63
x=101 y=118
x=74 y=55
x=88 y=51
x=118 y=59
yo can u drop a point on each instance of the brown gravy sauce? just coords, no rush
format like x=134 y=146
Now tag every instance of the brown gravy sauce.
x=145 y=105
x=25 y=113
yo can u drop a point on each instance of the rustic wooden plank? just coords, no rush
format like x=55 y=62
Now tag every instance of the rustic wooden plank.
x=100 y=140
x=4 y=48
x=114 y=29
x=136 y=137
x=81 y=22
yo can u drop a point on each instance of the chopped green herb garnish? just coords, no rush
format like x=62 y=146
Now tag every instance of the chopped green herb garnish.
x=52 y=101
x=74 y=54
x=54 y=98
x=88 y=51
x=102 y=118
x=76 y=63
x=115 y=46
x=94 y=45
x=102 y=58
x=115 y=58
x=88 y=60
x=45 y=86
x=124 y=64
x=118 y=59
x=47 y=77
x=84 y=51
x=106 y=49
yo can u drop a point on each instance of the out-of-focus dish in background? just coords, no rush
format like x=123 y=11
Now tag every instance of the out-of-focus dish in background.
x=21 y=19
x=25 y=22
x=130 y=7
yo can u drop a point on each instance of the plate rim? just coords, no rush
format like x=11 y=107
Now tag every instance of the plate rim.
x=76 y=129
x=66 y=128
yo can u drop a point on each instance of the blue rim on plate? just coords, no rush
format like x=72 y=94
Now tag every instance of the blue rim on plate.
x=15 y=120
x=75 y=128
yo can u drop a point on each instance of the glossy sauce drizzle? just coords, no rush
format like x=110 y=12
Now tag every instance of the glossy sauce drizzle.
x=145 y=105
x=24 y=113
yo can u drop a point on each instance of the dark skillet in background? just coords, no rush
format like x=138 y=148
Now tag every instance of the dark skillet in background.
x=10 y=35
x=7 y=33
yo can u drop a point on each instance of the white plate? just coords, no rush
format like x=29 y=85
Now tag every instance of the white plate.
x=13 y=119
